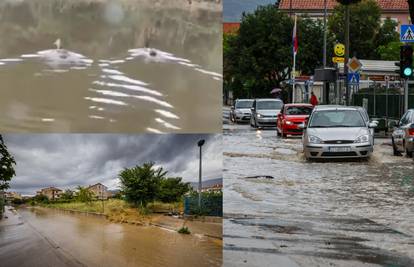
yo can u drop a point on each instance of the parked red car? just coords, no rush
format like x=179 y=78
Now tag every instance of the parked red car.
x=290 y=117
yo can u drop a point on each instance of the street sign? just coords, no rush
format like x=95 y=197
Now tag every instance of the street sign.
x=339 y=50
x=354 y=64
x=338 y=60
x=407 y=33
x=353 y=78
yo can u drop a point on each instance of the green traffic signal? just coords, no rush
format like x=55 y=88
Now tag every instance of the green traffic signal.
x=408 y=72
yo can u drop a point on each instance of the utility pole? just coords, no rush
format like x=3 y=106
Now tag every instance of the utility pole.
x=347 y=48
x=325 y=84
x=200 y=144
x=406 y=95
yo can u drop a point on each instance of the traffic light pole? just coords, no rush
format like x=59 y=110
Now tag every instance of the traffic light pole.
x=406 y=95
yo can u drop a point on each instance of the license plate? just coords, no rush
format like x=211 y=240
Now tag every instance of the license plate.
x=339 y=149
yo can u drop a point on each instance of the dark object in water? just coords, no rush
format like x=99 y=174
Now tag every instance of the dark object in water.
x=259 y=176
x=153 y=53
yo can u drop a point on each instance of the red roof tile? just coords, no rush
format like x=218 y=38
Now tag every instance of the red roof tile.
x=231 y=27
x=319 y=4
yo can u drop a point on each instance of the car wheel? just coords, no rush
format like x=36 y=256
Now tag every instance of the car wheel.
x=394 y=149
x=408 y=153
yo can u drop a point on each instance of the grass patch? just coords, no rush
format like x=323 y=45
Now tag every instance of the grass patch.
x=119 y=210
x=184 y=230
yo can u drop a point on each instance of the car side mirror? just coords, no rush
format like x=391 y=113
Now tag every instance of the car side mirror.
x=372 y=125
x=252 y=109
x=302 y=126
x=232 y=107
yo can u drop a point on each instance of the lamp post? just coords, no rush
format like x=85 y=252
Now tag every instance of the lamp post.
x=200 y=144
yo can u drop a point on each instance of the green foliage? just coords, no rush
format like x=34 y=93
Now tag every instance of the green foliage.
x=140 y=184
x=364 y=26
x=391 y=51
x=17 y=201
x=67 y=195
x=6 y=166
x=172 y=189
x=259 y=57
x=40 y=199
x=84 y=195
x=387 y=33
x=211 y=203
x=184 y=230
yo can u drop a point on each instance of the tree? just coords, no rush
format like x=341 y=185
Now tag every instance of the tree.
x=411 y=9
x=364 y=26
x=172 y=189
x=260 y=56
x=67 y=195
x=387 y=33
x=391 y=51
x=140 y=184
x=6 y=166
x=84 y=194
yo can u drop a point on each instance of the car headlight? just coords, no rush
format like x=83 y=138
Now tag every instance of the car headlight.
x=288 y=122
x=259 y=115
x=362 y=139
x=314 y=140
x=238 y=112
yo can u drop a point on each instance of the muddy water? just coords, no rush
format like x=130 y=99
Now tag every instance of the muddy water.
x=94 y=241
x=110 y=66
x=278 y=207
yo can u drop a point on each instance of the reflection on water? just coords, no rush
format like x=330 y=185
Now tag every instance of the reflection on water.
x=113 y=66
x=96 y=242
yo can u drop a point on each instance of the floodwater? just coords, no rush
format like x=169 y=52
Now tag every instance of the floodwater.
x=39 y=237
x=110 y=66
x=280 y=208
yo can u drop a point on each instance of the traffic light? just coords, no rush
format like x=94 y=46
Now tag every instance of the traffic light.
x=406 y=61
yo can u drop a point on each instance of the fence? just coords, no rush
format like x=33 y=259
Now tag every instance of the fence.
x=211 y=204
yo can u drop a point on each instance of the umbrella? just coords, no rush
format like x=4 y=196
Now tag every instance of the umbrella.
x=276 y=90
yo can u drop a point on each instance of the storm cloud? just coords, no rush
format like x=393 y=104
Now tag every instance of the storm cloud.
x=69 y=160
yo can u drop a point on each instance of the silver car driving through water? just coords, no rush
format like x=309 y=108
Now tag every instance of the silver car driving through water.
x=338 y=132
x=265 y=111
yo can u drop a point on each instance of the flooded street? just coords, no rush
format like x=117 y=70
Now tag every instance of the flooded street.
x=53 y=238
x=280 y=208
x=110 y=66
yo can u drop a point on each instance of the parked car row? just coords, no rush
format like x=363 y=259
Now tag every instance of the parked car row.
x=328 y=131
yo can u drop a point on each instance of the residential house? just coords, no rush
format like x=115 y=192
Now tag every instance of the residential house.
x=231 y=27
x=100 y=191
x=396 y=10
x=12 y=195
x=51 y=193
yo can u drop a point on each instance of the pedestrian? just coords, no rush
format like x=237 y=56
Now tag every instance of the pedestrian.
x=313 y=99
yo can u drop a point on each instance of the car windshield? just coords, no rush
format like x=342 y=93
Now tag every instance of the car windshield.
x=298 y=110
x=244 y=104
x=336 y=118
x=269 y=104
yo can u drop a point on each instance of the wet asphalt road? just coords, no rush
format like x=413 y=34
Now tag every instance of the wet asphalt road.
x=283 y=211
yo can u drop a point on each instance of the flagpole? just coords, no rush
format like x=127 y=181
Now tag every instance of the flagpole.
x=294 y=62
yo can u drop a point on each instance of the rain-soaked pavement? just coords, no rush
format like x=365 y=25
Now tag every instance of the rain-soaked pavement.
x=110 y=66
x=283 y=211
x=34 y=238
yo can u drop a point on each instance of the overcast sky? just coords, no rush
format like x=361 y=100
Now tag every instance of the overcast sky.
x=69 y=160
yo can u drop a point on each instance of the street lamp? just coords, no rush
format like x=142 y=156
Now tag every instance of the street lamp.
x=200 y=144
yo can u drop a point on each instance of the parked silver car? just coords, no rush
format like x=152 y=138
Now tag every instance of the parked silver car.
x=338 y=132
x=265 y=111
x=241 y=111
x=403 y=134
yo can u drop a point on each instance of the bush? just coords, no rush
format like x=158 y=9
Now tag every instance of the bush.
x=184 y=230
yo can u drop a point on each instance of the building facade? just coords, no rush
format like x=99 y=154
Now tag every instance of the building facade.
x=100 y=191
x=52 y=193
x=396 y=10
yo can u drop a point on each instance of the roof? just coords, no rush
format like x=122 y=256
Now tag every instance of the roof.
x=298 y=105
x=96 y=185
x=51 y=188
x=231 y=27
x=268 y=99
x=319 y=4
x=331 y=107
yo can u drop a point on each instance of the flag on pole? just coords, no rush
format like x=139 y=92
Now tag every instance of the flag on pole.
x=294 y=39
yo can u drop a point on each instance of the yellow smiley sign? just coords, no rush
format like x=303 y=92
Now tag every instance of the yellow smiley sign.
x=339 y=50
